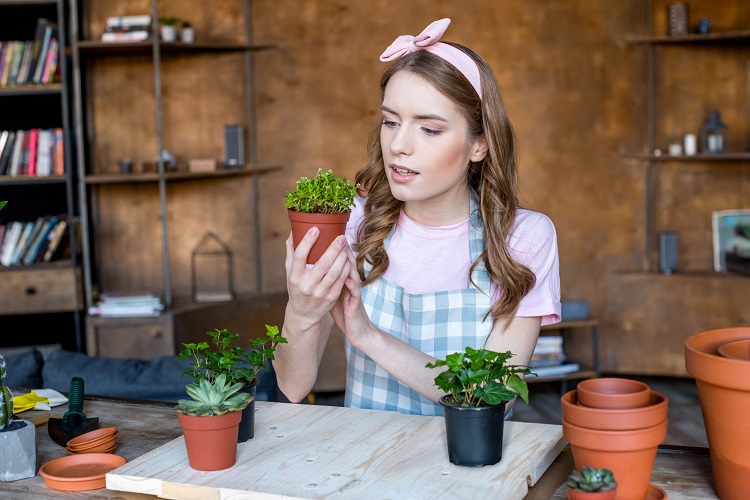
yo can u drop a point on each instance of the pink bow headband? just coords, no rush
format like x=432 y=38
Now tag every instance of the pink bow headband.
x=428 y=40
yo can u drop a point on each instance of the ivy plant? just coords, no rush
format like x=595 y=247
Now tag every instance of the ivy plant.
x=479 y=377
x=222 y=357
x=323 y=194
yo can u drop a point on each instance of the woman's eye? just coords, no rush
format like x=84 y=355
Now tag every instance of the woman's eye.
x=389 y=123
x=430 y=131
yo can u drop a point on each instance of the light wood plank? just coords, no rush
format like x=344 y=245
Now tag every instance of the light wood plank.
x=302 y=451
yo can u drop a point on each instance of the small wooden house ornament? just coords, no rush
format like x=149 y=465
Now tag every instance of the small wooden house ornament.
x=211 y=264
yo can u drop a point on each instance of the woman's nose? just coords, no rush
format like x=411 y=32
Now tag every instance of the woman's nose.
x=400 y=142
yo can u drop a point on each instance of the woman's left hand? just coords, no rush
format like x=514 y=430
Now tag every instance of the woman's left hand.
x=349 y=312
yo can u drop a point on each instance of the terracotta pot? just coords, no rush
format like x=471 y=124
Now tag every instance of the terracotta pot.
x=474 y=434
x=330 y=226
x=613 y=393
x=591 y=495
x=615 y=420
x=724 y=392
x=739 y=349
x=211 y=442
x=629 y=455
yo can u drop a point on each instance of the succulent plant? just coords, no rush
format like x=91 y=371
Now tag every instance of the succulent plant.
x=6 y=398
x=591 y=479
x=215 y=398
x=323 y=194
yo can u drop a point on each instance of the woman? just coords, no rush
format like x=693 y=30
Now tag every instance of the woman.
x=437 y=255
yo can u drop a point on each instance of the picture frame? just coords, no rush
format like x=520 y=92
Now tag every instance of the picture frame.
x=727 y=240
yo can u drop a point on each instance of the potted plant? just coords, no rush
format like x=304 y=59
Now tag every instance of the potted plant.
x=239 y=365
x=210 y=421
x=187 y=33
x=325 y=201
x=478 y=383
x=591 y=483
x=17 y=437
x=168 y=28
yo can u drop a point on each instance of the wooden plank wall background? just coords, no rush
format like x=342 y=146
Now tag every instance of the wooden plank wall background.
x=574 y=91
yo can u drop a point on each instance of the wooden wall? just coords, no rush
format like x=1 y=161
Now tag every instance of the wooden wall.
x=574 y=89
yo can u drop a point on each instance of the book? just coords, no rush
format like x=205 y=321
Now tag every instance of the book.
x=9 y=245
x=7 y=152
x=16 y=62
x=44 y=153
x=551 y=371
x=41 y=26
x=37 y=226
x=23 y=242
x=128 y=21
x=15 y=159
x=129 y=36
x=33 y=142
x=41 y=61
x=59 y=151
x=8 y=56
x=30 y=256
x=54 y=240
x=51 y=64
x=23 y=71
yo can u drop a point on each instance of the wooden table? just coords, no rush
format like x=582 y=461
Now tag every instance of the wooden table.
x=146 y=427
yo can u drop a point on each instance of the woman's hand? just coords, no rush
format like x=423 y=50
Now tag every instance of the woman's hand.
x=314 y=291
x=349 y=312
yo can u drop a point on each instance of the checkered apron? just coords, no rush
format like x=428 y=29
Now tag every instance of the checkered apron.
x=438 y=324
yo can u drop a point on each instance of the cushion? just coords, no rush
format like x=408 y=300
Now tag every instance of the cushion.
x=158 y=379
x=24 y=370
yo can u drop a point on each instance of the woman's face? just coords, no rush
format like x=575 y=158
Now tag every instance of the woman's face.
x=426 y=150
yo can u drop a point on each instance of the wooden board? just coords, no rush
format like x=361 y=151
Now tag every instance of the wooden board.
x=303 y=451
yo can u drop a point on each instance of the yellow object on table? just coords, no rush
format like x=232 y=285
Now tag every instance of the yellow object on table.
x=38 y=399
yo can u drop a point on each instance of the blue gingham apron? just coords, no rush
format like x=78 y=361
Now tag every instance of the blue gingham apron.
x=437 y=323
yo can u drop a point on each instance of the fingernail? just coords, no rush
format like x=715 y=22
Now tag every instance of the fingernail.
x=313 y=231
x=341 y=240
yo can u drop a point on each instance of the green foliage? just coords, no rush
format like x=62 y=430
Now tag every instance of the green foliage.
x=170 y=21
x=323 y=194
x=2 y=204
x=221 y=357
x=215 y=398
x=6 y=398
x=481 y=377
x=591 y=479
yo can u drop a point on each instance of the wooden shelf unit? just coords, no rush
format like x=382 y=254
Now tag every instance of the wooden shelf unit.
x=31 y=293
x=566 y=328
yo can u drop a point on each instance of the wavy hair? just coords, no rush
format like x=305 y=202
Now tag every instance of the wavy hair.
x=495 y=178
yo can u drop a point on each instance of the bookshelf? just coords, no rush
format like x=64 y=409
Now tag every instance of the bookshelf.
x=37 y=293
x=135 y=100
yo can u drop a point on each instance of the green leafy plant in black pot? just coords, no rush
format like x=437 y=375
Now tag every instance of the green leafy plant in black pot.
x=324 y=201
x=223 y=356
x=477 y=384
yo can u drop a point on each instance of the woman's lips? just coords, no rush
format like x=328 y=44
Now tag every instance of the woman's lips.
x=402 y=174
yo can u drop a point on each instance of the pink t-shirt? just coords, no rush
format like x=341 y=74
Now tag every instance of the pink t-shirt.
x=425 y=259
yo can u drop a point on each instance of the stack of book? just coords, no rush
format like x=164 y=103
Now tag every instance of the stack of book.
x=127 y=29
x=32 y=242
x=36 y=152
x=123 y=305
x=548 y=358
x=24 y=62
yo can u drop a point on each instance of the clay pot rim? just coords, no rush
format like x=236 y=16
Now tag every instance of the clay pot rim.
x=616 y=441
x=730 y=345
x=591 y=389
x=570 y=398
x=703 y=362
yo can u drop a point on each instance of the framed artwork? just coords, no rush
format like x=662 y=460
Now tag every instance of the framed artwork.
x=731 y=240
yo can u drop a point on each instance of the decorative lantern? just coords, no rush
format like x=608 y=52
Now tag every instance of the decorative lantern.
x=714 y=134
x=211 y=264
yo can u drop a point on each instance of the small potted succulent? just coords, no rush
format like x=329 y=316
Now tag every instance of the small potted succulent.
x=17 y=437
x=238 y=365
x=187 y=33
x=325 y=201
x=478 y=383
x=591 y=483
x=168 y=28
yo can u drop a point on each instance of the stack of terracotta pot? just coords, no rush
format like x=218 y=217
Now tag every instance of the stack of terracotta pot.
x=617 y=424
x=720 y=362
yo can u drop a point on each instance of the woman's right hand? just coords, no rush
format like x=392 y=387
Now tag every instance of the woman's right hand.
x=313 y=291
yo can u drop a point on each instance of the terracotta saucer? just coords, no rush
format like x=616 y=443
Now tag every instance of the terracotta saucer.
x=80 y=472
x=656 y=493
x=96 y=443
x=95 y=435
x=108 y=448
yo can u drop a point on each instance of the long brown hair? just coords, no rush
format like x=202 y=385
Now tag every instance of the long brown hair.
x=495 y=178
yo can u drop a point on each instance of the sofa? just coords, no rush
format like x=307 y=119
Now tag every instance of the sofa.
x=158 y=379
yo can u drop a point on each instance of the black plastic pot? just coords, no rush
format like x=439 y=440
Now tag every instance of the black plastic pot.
x=247 y=425
x=475 y=434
